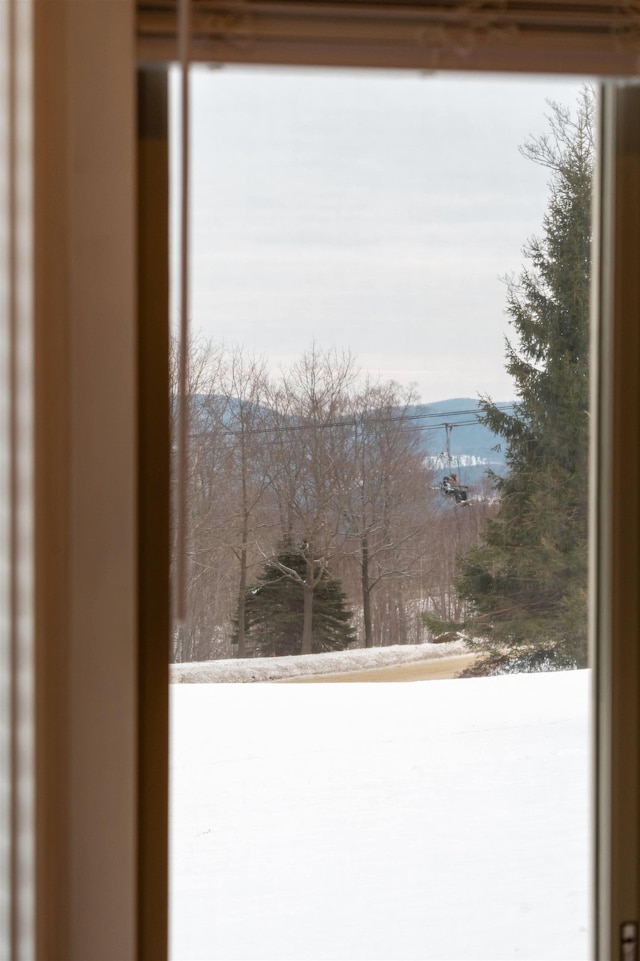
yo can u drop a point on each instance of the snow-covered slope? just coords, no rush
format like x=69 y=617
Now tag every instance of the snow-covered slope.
x=371 y=822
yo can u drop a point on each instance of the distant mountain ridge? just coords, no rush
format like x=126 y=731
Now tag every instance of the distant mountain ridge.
x=472 y=450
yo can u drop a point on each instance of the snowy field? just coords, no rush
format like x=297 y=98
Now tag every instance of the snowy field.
x=435 y=820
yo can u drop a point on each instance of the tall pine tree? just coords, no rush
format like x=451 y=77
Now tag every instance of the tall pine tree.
x=274 y=609
x=526 y=583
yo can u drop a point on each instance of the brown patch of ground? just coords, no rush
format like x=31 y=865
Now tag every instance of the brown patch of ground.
x=437 y=669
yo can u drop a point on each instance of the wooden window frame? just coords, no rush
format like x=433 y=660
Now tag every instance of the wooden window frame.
x=101 y=604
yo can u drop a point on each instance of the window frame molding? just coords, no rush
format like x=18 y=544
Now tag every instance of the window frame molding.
x=94 y=716
x=615 y=521
x=16 y=482
x=86 y=537
x=583 y=37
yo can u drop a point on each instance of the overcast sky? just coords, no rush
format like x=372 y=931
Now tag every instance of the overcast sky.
x=367 y=210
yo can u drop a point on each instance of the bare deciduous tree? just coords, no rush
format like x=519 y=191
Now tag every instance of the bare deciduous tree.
x=391 y=505
x=248 y=426
x=207 y=497
x=310 y=466
x=322 y=463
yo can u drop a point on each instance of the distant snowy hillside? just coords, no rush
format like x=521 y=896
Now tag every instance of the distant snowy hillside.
x=471 y=444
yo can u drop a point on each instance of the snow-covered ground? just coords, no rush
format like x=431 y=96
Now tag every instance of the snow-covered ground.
x=432 y=820
x=251 y=669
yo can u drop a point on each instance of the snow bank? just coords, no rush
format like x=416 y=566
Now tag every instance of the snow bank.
x=251 y=669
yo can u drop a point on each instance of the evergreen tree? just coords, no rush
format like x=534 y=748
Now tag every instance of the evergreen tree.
x=274 y=609
x=526 y=583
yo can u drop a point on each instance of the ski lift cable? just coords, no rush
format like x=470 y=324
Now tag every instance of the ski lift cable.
x=412 y=428
x=369 y=421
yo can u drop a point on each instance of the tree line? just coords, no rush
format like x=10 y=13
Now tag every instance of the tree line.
x=312 y=518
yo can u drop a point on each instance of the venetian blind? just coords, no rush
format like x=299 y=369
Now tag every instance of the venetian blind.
x=595 y=37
